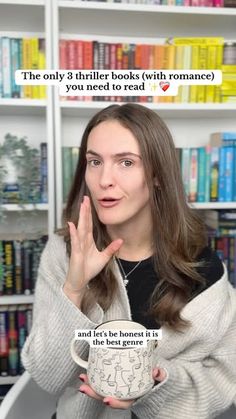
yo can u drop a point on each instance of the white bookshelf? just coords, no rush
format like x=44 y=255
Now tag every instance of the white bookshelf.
x=17 y=299
x=21 y=107
x=174 y=110
x=213 y=205
x=25 y=207
x=147 y=8
x=30 y=118
x=9 y=379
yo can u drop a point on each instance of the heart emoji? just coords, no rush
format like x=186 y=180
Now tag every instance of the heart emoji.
x=164 y=85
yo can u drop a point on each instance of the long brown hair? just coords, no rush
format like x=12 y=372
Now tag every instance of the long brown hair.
x=178 y=233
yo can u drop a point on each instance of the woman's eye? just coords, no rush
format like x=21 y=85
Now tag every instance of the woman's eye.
x=127 y=163
x=93 y=162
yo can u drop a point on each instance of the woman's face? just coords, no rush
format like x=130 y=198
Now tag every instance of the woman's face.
x=115 y=175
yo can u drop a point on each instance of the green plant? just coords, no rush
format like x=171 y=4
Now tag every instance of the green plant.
x=25 y=161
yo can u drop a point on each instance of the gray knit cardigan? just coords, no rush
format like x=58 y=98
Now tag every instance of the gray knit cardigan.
x=200 y=363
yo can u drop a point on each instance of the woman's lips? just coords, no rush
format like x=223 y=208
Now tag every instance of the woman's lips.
x=108 y=204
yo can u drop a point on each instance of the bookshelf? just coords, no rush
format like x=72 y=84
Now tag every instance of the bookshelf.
x=61 y=123
x=33 y=119
x=190 y=123
x=180 y=111
x=21 y=107
x=17 y=299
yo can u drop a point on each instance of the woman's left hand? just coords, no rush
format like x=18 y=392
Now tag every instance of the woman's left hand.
x=159 y=374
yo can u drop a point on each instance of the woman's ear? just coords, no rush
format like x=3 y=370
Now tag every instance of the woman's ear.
x=156 y=182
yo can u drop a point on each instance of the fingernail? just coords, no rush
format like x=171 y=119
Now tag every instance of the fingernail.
x=107 y=403
x=82 y=391
x=82 y=379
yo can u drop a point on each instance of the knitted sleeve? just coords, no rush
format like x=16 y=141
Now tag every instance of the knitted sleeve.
x=46 y=353
x=200 y=364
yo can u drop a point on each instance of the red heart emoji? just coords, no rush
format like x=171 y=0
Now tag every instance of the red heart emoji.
x=164 y=85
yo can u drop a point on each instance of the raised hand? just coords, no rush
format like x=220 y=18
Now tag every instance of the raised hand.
x=86 y=260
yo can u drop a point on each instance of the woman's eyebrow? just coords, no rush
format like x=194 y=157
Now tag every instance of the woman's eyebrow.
x=123 y=154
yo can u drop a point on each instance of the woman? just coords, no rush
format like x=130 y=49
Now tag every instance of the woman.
x=134 y=249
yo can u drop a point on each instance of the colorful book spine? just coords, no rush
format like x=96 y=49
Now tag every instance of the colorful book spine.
x=201 y=174
x=8 y=267
x=1 y=70
x=193 y=175
x=2 y=279
x=229 y=169
x=185 y=168
x=44 y=172
x=22 y=332
x=27 y=266
x=74 y=158
x=13 y=355
x=67 y=173
x=17 y=267
x=214 y=174
x=4 y=350
x=34 y=46
x=6 y=65
x=15 y=65
x=222 y=169
x=26 y=64
x=208 y=169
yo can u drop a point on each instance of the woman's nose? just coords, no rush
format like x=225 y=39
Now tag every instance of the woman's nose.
x=106 y=177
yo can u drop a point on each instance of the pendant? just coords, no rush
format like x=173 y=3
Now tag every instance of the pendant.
x=126 y=281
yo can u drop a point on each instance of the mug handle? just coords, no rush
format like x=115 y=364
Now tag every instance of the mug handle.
x=76 y=357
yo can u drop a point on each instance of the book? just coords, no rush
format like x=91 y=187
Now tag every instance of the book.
x=3 y=341
x=2 y=278
x=6 y=66
x=22 y=332
x=74 y=158
x=13 y=354
x=26 y=64
x=201 y=181
x=185 y=168
x=214 y=174
x=44 y=173
x=18 y=285
x=26 y=256
x=67 y=171
x=193 y=175
x=222 y=170
x=1 y=70
x=15 y=65
x=8 y=267
x=229 y=169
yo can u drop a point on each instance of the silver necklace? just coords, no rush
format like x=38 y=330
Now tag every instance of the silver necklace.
x=125 y=275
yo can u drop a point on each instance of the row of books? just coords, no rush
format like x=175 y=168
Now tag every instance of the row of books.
x=175 y=53
x=223 y=222
x=194 y=3
x=225 y=247
x=16 y=54
x=15 y=325
x=17 y=191
x=209 y=173
x=70 y=157
x=222 y=237
x=228 y=87
x=19 y=262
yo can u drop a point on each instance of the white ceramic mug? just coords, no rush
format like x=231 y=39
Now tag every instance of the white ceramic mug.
x=123 y=373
